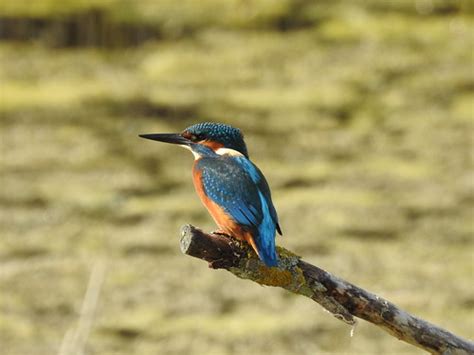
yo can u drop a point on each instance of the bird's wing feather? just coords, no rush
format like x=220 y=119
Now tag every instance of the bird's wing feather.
x=259 y=179
x=229 y=184
x=240 y=189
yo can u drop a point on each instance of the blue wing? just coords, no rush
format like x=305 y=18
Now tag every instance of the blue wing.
x=236 y=184
x=258 y=178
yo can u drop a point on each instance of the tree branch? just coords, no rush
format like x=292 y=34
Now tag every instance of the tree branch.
x=344 y=300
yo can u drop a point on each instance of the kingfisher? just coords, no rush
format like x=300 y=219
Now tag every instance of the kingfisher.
x=230 y=185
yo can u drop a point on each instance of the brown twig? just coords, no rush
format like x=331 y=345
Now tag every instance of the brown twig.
x=344 y=300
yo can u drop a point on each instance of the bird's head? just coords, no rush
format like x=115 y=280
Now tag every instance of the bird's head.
x=219 y=137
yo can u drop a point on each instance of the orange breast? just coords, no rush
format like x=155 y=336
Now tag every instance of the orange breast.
x=222 y=219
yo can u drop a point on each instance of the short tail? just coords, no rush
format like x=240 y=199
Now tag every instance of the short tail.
x=269 y=257
x=266 y=250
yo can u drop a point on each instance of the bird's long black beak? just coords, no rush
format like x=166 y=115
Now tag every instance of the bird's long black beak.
x=174 y=138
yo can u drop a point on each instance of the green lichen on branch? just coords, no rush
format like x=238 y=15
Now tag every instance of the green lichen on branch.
x=242 y=261
x=342 y=299
x=287 y=275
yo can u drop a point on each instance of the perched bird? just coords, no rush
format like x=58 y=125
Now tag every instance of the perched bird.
x=231 y=187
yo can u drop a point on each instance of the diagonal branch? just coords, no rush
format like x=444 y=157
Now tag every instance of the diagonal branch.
x=344 y=300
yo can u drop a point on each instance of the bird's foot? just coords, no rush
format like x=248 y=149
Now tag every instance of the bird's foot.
x=232 y=239
x=221 y=232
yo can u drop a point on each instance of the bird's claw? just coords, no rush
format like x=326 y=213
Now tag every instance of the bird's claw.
x=221 y=232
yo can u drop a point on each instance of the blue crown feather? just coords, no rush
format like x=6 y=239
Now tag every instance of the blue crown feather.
x=230 y=137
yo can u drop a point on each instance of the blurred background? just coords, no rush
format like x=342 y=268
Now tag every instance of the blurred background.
x=360 y=114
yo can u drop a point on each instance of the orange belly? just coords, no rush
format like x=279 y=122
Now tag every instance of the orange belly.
x=225 y=223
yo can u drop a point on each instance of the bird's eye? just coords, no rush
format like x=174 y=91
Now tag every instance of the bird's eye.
x=192 y=137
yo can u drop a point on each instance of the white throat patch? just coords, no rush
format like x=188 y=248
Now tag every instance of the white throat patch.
x=197 y=156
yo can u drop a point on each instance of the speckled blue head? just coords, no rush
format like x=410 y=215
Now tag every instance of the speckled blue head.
x=219 y=133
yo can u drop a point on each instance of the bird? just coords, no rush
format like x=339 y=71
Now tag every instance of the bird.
x=231 y=187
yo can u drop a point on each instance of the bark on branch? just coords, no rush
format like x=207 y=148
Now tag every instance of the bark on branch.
x=344 y=300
